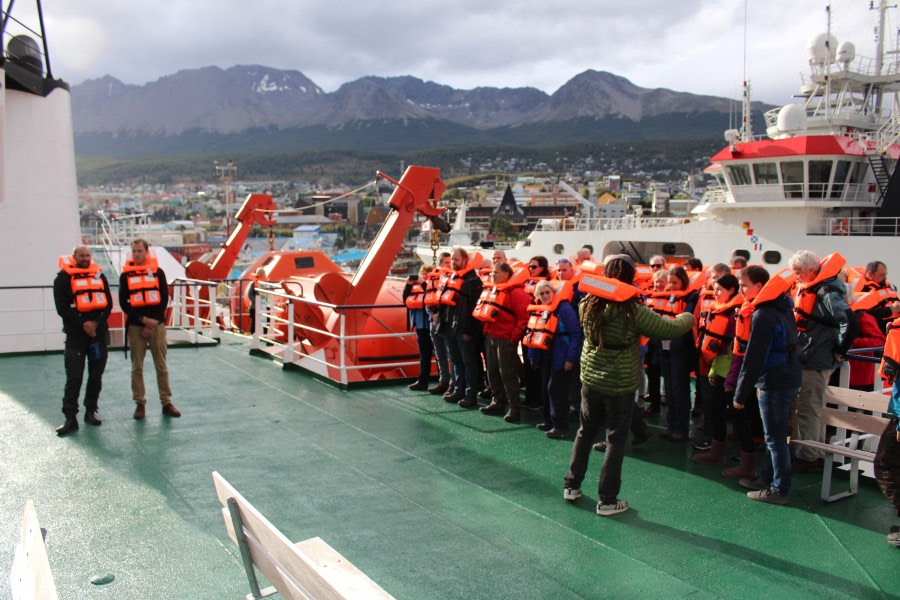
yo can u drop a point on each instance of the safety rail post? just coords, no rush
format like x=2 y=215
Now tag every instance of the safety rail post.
x=196 y=290
x=342 y=341
x=257 y=321
x=289 y=346
x=213 y=315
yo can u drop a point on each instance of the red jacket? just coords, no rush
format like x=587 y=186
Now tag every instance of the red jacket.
x=511 y=326
x=870 y=336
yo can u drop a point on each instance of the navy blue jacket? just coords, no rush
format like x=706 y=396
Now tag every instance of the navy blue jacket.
x=772 y=360
x=566 y=345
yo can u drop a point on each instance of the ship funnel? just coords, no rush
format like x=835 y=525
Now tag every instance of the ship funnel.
x=25 y=52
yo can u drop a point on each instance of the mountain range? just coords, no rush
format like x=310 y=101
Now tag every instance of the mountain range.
x=255 y=109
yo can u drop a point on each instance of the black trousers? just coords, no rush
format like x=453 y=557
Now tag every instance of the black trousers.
x=887 y=465
x=75 y=355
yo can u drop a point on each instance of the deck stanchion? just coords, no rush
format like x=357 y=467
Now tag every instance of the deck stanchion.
x=289 y=346
x=343 y=351
x=213 y=314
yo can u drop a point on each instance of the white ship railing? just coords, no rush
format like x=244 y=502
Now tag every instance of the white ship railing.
x=29 y=322
x=855 y=226
x=607 y=223
x=284 y=342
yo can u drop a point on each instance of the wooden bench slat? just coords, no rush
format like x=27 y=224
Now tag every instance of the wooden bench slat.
x=873 y=401
x=349 y=580
x=832 y=449
x=854 y=421
x=278 y=548
x=309 y=569
x=31 y=576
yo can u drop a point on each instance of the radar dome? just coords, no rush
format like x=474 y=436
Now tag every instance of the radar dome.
x=732 y=135
x=821 y=49
x=791 y=119
x=24 y=51
x=846 y=52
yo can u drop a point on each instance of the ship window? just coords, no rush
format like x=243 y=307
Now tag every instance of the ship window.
x=859 y=172
x=720 y=178
x=771 y=257
x=765 y=173
x=819 y=176
x=739 y=174
x=792 y=176
x=745 y=254
x=559 y=249
x=304 y=262
x=840 y=178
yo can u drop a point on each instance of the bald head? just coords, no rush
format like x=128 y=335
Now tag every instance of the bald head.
x=82 y=257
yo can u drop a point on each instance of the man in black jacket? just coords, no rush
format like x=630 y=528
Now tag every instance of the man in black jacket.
x=83 y=300
x=463 y=333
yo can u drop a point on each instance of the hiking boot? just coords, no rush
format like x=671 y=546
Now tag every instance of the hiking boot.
x=513 y=416
x=453 y=398
x=612 y=508
x=468 y=402
x=544 y=426
x=571 y=494
x=485 y=394
x=169 y=410
x=753 y=484
x=440 y=388
x=493 y=409
x=71 y=425
x=139 y=412
x=893 y=538
x=557 y=434
x=768 y=495
x=600 y=446
x=418 y=386
x=91 y=418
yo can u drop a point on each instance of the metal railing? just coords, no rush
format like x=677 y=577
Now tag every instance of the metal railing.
x=270 y=316
x=855 y=226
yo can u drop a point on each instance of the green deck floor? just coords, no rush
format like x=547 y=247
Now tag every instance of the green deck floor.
x=431 y=501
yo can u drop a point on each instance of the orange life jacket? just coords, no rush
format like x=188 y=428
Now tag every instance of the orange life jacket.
x=713 y=338
x=890 y=361
x=604 y=287
x=876 y=298
x=643 y=276
x=143 y=285
x=495 y=297
x=542 y=322
x=88 y=291
x=416 y=298
x=531 y=283
x=667 y=304
x=451 y=290
x=435 y=281
x=805 y=301
x=704 y=306
x=780 y=283
x=696 y=280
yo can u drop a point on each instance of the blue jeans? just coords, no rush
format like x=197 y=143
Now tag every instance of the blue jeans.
x=440 y=353
x=466 y=359
x=775 y=408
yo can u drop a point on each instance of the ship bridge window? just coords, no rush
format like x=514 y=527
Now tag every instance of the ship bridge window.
x=739 y=174
x=765 y=173
x=819 y=176
x=720 y=178
x=840 y=178
x=792 y=176
x=859 y=172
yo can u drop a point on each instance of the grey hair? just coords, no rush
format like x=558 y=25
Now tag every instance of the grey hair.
x=804 y=260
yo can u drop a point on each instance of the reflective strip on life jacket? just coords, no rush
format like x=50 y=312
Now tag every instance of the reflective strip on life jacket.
x=606 y=288
x=435 y=283
x=143 y=287
x=667 y=304
x=88 y=291
x=540 y=330
x=805 y=301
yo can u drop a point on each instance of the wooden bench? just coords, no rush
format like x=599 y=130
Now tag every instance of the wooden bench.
x=310 y=569
x=31 y=577
x=856 y=415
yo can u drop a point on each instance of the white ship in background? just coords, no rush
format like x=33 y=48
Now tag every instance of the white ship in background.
x=823 y=179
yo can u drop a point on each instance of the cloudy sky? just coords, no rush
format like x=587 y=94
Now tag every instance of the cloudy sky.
x=685 y=45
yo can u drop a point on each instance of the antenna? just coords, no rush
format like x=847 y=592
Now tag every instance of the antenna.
x=746 y=127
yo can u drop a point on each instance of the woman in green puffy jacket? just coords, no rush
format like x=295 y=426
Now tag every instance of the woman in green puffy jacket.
x=609 y=375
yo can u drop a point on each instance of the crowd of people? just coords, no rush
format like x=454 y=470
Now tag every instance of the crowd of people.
x=609 y=344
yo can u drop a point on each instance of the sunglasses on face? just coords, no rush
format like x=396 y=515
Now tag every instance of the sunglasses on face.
x=534 y=266
x=656 y=266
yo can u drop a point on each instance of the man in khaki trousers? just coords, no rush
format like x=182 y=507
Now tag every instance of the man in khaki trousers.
x=144 y=296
